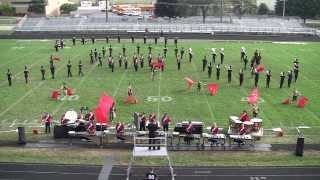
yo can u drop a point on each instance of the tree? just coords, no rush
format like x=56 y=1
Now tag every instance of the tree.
x=67 y=8
x=166 y=8
x=278 y=7
x=263 y=9
x=304 y=9
x=242 y=7
x=37 y=6
x=205 y=5
x=6 y=10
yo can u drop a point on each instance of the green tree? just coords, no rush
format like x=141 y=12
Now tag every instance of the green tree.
x=242 y=7
x=67 y=8
x=6 y=10
x=166 y=8
x=304 y=9
x=278 y=7
x=37 y=6
x=263 y=9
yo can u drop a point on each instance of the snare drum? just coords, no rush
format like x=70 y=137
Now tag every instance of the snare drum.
x=257 y=123
x=235 y=123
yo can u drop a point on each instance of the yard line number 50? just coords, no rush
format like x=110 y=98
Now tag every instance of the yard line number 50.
x=159 y=98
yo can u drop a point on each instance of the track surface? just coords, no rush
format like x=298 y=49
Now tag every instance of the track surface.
x=69 y=172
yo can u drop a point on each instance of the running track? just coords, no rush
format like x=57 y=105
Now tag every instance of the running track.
x=20 y=171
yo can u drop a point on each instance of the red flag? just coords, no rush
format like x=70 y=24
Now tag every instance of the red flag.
x=69 y=91
x=157 y=65
x=302 y=101
x=55 y=94
x=189 y=82
x=286 y=101
x=260 y=68
x=103 y=108
x=254 y=96
x=213 y=89
x=56 y=58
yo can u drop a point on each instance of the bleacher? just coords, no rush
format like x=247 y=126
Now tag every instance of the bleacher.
x=271 y=25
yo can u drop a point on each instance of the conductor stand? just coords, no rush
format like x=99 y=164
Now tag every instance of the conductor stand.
x=141 y=149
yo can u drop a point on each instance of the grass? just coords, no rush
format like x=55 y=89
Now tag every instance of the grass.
x=22 y=104
x=122 y=157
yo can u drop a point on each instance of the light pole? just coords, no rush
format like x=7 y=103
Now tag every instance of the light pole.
x=283 y=9
x=221 y=10
x=106 y=10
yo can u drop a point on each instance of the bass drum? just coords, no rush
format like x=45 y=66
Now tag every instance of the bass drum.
x=60 y=132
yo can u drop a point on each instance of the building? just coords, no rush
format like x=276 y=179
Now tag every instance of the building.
x=53 y=7
x=20 y=6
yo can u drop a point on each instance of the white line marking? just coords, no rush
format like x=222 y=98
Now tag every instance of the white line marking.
x=25 y=95
x=119 y=84
x=209 y=106
x=159 y=90
x=48 y=172
x=21 y=99
x=79 y=86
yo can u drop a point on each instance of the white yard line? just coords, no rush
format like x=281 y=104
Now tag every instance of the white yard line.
x=119 y=84
x=20 y=58
x=25 y=95
x=209 y=106
x=159 y=100
x=20 y=72
x=78 y=87
x=310 y=112
x=21 y=98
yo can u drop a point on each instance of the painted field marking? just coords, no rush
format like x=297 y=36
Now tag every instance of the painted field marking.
x=17 y=47
x=209 y=106
x=245 y=99
x=21 y=98
x=119 y=84
x=70 y=98
x=79 y=86
x=159 y=98
x=159 y=91
x=25 y=95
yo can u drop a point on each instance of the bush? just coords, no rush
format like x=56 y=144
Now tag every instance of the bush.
x=263 y=9
x=37 y=6
x=6 y=10
x=67 y=8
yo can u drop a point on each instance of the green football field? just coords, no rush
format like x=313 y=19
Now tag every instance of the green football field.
x=21 y=104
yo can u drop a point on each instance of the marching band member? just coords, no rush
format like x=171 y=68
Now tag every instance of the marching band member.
x=120 y=130
x=189 y=130
x=214 y=55
x=142 y=122
x=47 y=120
x=91 y=127
x=165 y=120
x=244 y=116
x=190 y=54
x=255 y=110
x=243 y=53
x=214 y=129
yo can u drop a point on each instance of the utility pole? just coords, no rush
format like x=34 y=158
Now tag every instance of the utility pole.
x=283 y=9
x=106 y=10
x=241 y=6
x=221 y=10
